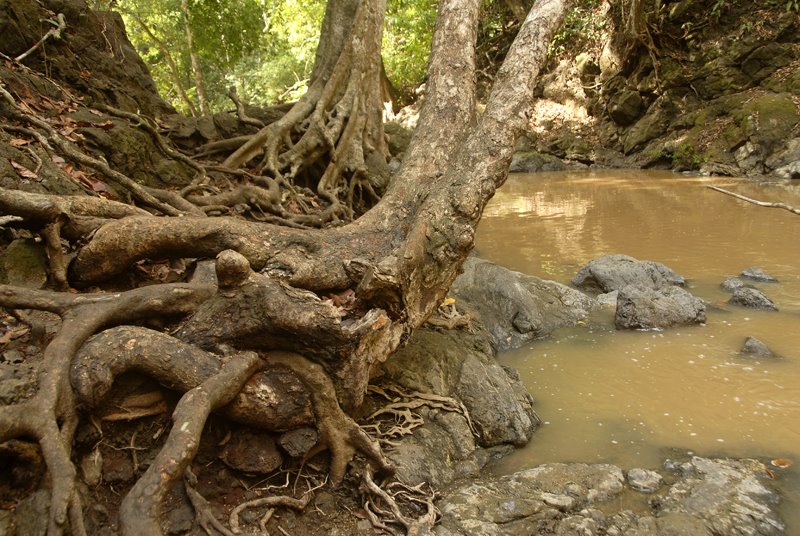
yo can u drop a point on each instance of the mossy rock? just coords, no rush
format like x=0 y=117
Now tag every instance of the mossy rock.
x=24 y=264
x=770 y=118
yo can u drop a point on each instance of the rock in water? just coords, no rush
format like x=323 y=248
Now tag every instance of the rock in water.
x=648 y=308
x=732 y=283
x=754 y=347
x=752 y=298
x=644 y=480
x=613 y=272
x=754 y=273
x=515 y=307
x=707 y=497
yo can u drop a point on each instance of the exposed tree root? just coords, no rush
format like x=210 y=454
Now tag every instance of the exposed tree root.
x=50 y=416
x=378 y=499
x=333 y=124
x=140 y=511
x=205 y=518
x=338 y=432
x=271 y=399
x=324 y=308
x=13 y=111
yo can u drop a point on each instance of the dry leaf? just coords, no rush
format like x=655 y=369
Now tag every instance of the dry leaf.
x=23 y=171
x=19 y=142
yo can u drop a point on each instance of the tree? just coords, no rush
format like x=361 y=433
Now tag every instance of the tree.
x=328 y=304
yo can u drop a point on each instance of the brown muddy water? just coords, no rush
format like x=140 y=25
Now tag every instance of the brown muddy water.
x=636 y=398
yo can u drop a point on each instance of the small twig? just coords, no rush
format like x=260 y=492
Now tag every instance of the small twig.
x=61 y=25
x=793 y=210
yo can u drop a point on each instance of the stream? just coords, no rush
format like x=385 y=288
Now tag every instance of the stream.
x=634 y=398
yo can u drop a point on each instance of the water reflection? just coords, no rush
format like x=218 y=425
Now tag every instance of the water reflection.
x=631 y=398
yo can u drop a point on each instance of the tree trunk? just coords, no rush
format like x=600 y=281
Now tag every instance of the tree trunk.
x=337 y=126
x=199 y=82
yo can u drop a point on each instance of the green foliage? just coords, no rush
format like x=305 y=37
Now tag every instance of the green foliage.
x=407 y=38
x=264 y=47
x=581 y=26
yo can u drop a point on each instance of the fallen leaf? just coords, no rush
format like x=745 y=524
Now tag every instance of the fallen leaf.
x=23 y=171
x=19 y=142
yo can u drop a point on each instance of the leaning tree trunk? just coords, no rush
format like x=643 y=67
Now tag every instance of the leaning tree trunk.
x=326 y=305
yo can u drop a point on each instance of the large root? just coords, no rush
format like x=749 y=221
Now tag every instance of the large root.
x=338 y=431
x=140 y=511
x=272 y=399
x=50 y=416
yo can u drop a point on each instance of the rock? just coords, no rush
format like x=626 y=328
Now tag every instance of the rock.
x=644 y=480
x=535 y=162
x=754 y=347
x=296 y=443
x=534 y=501
x=727 y=496
x=613 y=272
x=252 y=452
x=179 y=519
x=648 y=308
x=714 y=496
x=24 y=264
x=460 y=365
x=117 y=467
x=609 y=298
x=732 y=283
x=515 y=307
x=625 y=107
x=92 y=467
x=754 y=273
x=32 y=513
x=752 y=298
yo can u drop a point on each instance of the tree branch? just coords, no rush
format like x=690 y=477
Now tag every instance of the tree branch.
x=793 y=210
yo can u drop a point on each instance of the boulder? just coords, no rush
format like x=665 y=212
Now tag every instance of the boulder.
x=729 y=497
x=625 y=107
x=515 y=307
x=648 y=308
x=296 y=443
x=461 y=365
x=752 y=298
x=755 y=348
x=754 y=273
x=613 y=272
x=706 y=497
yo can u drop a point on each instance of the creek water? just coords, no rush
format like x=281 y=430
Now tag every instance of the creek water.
x=634 y=398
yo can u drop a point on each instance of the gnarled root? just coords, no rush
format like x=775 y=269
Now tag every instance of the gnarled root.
x=337 y=431
x=378 y=499
x=140 y=511
x=271 y=399
x=50 y=416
